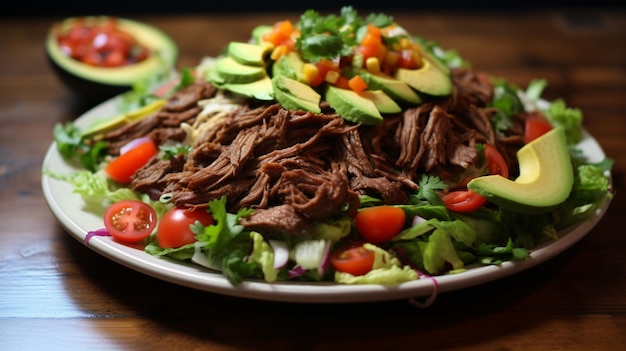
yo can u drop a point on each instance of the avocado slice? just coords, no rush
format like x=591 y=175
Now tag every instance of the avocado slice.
x=248 y=54
x=396 y=89
x=382 y=101
x=98 y=83
x=259 y=89
x=103 y=126
x=352 y=106
x=289 y=65
x=545 y=181
x=432 y=78
x=294 y=95
x=232 y=71
x=259 y=31
x=214 y=77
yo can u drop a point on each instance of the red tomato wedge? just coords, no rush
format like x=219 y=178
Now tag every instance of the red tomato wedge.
x=463 y=201
x=536 y=125
x=353 y=260
x=380 y=223
x=174 y=227
x=124 y=166
x=495 y=162
x=130 y=221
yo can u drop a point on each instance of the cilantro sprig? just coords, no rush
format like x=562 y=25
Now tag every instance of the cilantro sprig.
x=228 y=241
x=332 y=36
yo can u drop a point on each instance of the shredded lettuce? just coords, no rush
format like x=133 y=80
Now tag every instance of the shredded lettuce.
x=263 y=255
x=386 y=270
x=569 y=118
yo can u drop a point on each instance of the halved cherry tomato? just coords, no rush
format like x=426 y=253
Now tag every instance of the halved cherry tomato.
x=495 y=162
x=130 y=221
x=536 y=125
x=174 y=227
x=124 y=166
x=380 y=223
x=355 y=260
x=463 y=201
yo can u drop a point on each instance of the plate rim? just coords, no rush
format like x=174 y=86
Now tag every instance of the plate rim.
x=200 y=278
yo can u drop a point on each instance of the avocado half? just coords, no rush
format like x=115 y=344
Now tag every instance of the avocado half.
x=100 y=83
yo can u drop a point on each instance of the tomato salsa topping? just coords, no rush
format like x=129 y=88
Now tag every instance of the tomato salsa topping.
x=101 y=43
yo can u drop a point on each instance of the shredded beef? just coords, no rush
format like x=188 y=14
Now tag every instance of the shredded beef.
x=296 y=167
x=164 y=124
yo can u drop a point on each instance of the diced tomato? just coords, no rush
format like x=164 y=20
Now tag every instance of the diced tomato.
x=356 y=260
x=407 y=59
x=357 y=84
x=342 y=82
x=281 y=34
x=174 y=227
x=378 y=51
x=114 y=59
x=124 y=166
x=373 y=36
x=130 y=221
x=101 y=44
x=372 y=44
x=379 y=224
x=536 y=125
x=463 y=201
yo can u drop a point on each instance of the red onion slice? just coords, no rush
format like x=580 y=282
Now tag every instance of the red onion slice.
x=281 y=253
x=98 y=232
x=133 y=144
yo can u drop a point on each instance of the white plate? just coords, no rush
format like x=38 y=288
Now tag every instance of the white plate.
x=68 y=207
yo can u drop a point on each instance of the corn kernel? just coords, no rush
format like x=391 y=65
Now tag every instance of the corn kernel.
x=278 y=51
x=310 y=72
x=372 y=64
x=331 y=77
x=405 y=43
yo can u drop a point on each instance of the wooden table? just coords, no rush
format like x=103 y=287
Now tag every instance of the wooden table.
x=55 y=293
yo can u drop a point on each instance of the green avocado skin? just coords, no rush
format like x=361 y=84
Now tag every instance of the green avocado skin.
x=89 y=92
